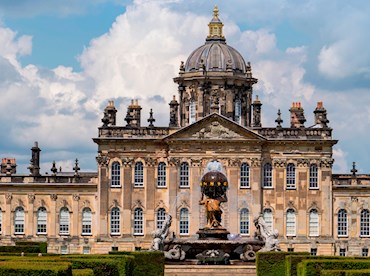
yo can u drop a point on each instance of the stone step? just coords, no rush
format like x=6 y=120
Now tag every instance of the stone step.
x=214 y=270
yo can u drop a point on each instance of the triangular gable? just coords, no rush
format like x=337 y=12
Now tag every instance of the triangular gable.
x=215 y=127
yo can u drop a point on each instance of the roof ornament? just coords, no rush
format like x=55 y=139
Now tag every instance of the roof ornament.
x=215 y=12
x=76 y=168
x=215 y=27
x=54 y=169
x=279 y=120
x=354 y=170
x=151 y=120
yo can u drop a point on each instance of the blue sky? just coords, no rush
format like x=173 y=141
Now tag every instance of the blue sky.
x=61 y=61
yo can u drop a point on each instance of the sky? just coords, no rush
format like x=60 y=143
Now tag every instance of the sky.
x=61 y=61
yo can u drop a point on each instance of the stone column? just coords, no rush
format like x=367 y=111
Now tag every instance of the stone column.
x=75 y=229
x=52 y=217
x=30 y=227
x=103 y=186
x=231 y=220
x=7 y=220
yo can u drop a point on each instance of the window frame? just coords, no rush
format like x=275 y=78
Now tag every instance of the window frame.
x=41 y=224
x=192 y=112
x=290 y=173
x=86 y=222
x=115 y=221
x=184 y=222
x=64 y=229
x=313 y=177
x=313 y=224
x=138 y=225
x=342 y=223
x=267 y=176
x=19 y=222
x=160 y=217
x=139 y=174
x=184 y=175
x=270 y=221
x=291 y=223
x=115 y=175
x=245 y=176
x=365 y=225
x=244 y=225
x=162 y=175
x=238 y=111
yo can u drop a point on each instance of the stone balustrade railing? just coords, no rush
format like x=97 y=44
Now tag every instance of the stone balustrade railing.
x=296 y=133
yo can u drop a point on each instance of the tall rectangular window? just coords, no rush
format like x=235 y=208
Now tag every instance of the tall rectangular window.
x=192 y=112
x=138 y=222
x=290 y=176
x=314 y=184
x=184 y=221
x=267 y=176
x=290 y=222
x=115 y=221
x=244 y=175
x=41 y=220
x=267 y=217
x=161 y=217
x=139 y=174
x=116 y=174
x=365 y=223
x=244 y=221
x=342 y=223
x=86 y=221
x=313 y=223
x=161 y=177
x=184 y=174
x=19 y=220
x=64 y=221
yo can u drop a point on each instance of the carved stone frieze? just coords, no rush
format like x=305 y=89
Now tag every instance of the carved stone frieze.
x=196 y=162
x=137 y=204
x=303 y=163
x=53 y=197
x=127 y=161
x=8 y=197
x=160 y=204
x=326 y=162
x=173 y=161
x=76 y=197
x=150 y=161
x=279 y=163
x=256 y=162
x=216 y=131
x=234 y=162
x=31 y=198
x=103 y=160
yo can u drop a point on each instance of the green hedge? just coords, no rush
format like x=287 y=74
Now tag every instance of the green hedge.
x=26 y=247
x=149 y=263
x=19 y=268
x=273 y=263
x=293 y=260
x=313 y=267
x=82 y=272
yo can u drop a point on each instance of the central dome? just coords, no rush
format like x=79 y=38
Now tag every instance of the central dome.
x=215 y=55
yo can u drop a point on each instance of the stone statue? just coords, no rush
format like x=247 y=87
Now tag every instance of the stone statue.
x=160 y=235
x=213 y=210
x=176 y=253
x=269 y=237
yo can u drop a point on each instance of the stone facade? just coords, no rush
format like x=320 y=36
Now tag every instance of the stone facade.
x=147 y=172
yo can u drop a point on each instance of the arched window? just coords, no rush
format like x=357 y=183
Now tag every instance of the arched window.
x=244 y=175
x=184 y=174
x=267 y=217
x=184 y=221
x=238 y=111
x=139 y=174
x=19 y=220
x=290 y=222
x=244 y=221
x=313 y=223
x=86 y=221
x=314 y=184
x=365 y=223
x=64 y=221
x=161 y=180
x=1 y=221
x=115 y=221
x=192 y=112
x=42 y=217
x=290 y=176
x=116 y=174
x=138 y=222
x=161 y=217
x=267 y=176
x=342 y=223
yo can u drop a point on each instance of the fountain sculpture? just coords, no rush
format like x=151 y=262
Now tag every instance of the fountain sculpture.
x=213 y=245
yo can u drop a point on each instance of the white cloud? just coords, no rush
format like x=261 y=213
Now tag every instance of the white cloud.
x=340 y=163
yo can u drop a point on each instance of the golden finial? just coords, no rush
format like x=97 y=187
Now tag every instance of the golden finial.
x=215 y=11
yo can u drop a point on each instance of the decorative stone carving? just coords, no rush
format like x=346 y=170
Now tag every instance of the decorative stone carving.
x=176 y=253
x=160 y=204
x=269 y=237
x=354 y=198
x=213 y=257
x=8 y=197
x=103 y=160
x=234 y=162
x=137 y=204
x=196 y=162
x=173 y=161
x=256 y=162
x=127 y=161
x=248 y=253
x=216 y=131
x=53 y=197
x=303 y=163
x=160 y=235
x=290 y=204
x=76 y=197
x=279 y=163
x=31 y=198
x=326 y=162
x=150 y=161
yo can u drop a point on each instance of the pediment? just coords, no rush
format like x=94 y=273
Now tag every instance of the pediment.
x=214 y=127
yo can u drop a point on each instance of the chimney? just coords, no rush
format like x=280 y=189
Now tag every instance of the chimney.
x=174 y=113
x=8 y=166
x=133 y=116
x=297 y=118
x=34 y=166
x=321 y=115
x=109 y=115
x=257 y=113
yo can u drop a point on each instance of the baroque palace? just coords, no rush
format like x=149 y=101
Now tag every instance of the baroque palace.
x=146 y=172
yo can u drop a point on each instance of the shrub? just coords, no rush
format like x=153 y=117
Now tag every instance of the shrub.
x=273 y=263
x=313 y=267
x=82 y=272
x=145 y=262
x=26 y=247
x=12 y=268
